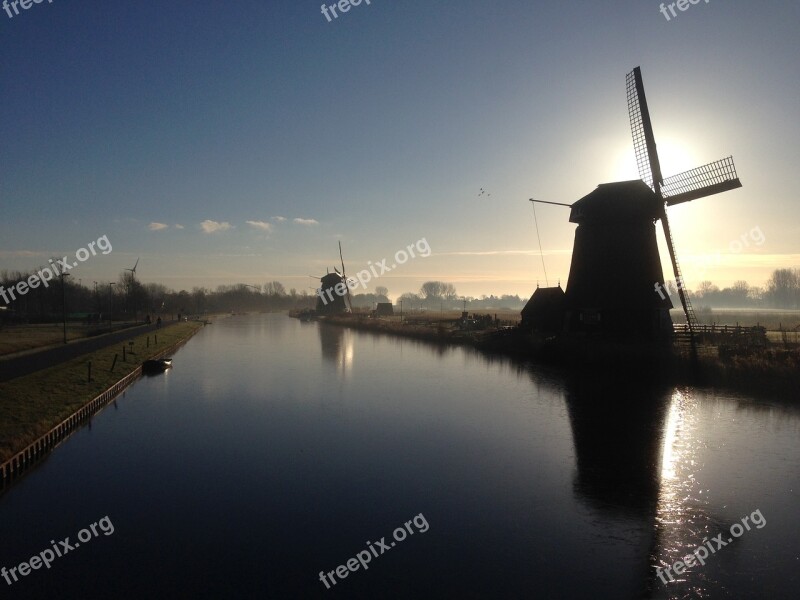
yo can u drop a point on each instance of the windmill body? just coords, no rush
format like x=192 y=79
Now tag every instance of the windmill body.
x=334 y=303
x=615 y=263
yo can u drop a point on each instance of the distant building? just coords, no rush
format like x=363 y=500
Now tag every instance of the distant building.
x=384 y=309
x=545 y=311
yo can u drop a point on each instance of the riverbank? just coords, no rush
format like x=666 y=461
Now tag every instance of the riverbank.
x=33 y=404
x=771 y=370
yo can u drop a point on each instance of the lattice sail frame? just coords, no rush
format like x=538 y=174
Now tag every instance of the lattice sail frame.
x=644 y=144
x=696 y=183
x=713 y=178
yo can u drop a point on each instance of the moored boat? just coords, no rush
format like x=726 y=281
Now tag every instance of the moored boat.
x=157 y=365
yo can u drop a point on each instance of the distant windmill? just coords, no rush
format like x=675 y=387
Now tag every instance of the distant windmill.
x=130 y=285
x=344 y=279
x=331 y=301
x=133 y=270
x=616 y=271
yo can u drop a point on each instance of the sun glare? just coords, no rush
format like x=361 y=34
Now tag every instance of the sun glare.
x=674 y=157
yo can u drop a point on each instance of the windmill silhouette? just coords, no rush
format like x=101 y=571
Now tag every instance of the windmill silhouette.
x=615 y=274
x=330 y=301
x=131 y=284
x=133 y=270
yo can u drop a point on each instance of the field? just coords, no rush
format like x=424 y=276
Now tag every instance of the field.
x=22 y=338
x=772 y=319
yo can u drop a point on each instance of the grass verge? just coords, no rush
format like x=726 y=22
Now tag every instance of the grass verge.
x=31 y=405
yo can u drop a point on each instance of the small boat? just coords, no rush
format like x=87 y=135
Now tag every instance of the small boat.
x=158 y=365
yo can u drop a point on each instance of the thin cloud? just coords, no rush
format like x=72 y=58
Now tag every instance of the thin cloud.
x=21 y=253
x=214 y=226
x=157 y=226
x=262 y=225
x=308 y=222
x=279 y=219
x=178 y=226
x=504 y=253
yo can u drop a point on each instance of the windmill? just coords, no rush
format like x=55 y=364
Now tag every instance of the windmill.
x=133 y=270
x=131 y=284
x=332 y=291
x=713 y=178
x=615 y=260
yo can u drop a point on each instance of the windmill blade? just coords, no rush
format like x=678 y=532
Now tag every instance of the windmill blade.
x=133 y=270
x=344 y=278
x=691 y=319
x=644 y=143
x=713 y=178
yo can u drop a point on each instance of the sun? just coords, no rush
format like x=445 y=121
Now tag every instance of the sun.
x=673 y=156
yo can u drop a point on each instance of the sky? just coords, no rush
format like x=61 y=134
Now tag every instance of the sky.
x=239 y=142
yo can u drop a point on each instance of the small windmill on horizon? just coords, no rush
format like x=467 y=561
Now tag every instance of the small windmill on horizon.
x=133 y=270
x=615 y=273
x=131 y=284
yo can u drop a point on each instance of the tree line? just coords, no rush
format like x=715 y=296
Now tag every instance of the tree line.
x=130 y=299
x=781 y=291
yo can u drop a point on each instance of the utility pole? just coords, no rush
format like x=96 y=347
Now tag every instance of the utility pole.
x=64 y=302
x=111 y=307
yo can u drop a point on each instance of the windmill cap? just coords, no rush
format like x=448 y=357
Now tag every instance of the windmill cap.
x=621 y=200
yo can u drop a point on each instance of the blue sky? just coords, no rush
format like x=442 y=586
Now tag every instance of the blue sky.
x=129 y=119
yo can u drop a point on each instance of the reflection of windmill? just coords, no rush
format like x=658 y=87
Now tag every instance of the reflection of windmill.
x=713 y=178
x=615 y=277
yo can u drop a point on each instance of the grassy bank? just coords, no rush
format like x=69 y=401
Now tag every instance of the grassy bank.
x=773 y=370
x=22 y=338
x=31 y=405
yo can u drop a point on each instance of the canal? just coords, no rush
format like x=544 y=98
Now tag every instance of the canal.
x=275 y=450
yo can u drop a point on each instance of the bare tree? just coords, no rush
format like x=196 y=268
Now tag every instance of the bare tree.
x=274 y=288
x=783 y=288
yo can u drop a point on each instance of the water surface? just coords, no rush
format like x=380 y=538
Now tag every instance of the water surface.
x=276 y=449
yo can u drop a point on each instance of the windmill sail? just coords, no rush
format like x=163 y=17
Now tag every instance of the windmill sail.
x=713 y=178
x=344 y=279
x=644 y=143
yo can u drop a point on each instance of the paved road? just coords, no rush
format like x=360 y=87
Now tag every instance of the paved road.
x=30 y=363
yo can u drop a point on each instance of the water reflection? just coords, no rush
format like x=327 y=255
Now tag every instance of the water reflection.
x=684 y=516
x=617 y=429
x=337 y=347
x=637 y=453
